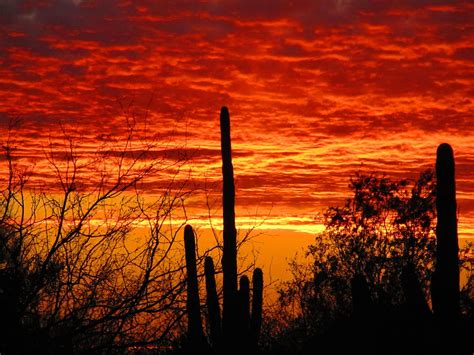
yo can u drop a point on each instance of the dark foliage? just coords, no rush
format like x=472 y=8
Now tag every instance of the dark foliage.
x=367 y=281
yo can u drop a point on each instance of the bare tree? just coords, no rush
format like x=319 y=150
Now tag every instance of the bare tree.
x=87 y=261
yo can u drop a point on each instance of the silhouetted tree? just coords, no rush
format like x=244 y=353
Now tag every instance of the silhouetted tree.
x=384 y=226
x=368 y=274
x=87 y=264
x=358 y=259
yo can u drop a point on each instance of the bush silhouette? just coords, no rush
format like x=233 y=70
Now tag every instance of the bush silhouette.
x=373 y=260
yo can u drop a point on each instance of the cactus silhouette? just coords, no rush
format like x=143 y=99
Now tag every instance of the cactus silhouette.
x=414 y=297
x=229 y=259
x=445 y=283
x=195 y=331
x=361 y=299
x=238 y=327
x=212 y=301
x=257 y=305
x=363 y=316
x=244 y=311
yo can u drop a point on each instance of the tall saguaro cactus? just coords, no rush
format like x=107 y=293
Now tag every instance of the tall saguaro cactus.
x=195 y=331
x=229 y=260
x=446 y=279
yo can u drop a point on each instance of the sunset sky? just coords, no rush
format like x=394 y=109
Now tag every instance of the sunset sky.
x=317 y=90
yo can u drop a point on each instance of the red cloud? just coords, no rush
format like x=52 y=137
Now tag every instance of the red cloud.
x=315 y=88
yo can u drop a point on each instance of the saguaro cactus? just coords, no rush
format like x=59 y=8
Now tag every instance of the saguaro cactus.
x=361 y=299
x=212 y=302
x=195 y=331
x=238 y=326
x=414 y=297
x=244 y=311
x=229 y=260
x=257 y=305
x=446 y=279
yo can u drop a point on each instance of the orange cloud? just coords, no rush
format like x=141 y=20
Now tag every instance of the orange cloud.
x=316 y=89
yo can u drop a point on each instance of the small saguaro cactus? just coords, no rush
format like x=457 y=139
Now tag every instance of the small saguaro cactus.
x=445 y=287
x=413 y=292
x=361 y=299
x=257 y=305
x=244 y=310
x=212 y=302
x=195 y=331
